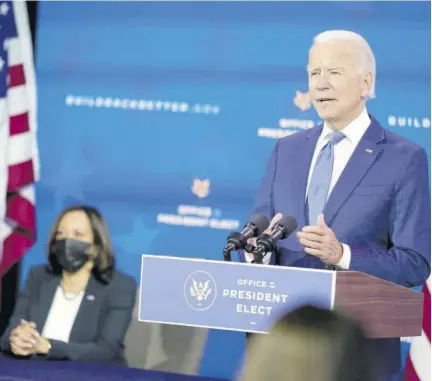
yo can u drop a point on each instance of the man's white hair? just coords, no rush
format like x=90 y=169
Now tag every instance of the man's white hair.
x=366 y=56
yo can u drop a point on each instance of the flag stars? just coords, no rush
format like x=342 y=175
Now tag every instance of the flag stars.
x=4 y=9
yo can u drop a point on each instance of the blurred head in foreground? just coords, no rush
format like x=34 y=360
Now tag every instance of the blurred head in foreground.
x=309 y=344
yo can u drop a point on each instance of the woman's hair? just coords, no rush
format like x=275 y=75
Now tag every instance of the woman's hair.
x=104 y=263
x=310 y=344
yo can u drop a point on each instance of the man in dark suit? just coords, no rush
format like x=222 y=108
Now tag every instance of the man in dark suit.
x=360 y=193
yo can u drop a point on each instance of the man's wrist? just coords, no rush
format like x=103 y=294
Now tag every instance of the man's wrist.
x=340 y=252
x=345 y=259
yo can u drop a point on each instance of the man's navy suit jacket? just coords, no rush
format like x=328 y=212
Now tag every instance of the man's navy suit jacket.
x=380 y=207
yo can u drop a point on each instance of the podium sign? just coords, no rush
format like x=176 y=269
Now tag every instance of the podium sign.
x=227 y=295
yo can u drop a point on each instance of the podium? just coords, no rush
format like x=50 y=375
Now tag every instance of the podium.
x=250 y=297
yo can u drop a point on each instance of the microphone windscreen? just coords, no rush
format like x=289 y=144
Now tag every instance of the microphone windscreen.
x=261 y=222
x=289 y=224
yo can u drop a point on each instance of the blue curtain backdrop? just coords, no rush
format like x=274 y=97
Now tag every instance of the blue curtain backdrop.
x=163 y=115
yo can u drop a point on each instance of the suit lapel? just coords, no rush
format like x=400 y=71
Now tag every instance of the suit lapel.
x=47 y=292
x=88 y=307
x=302 y=163
x=361 y=160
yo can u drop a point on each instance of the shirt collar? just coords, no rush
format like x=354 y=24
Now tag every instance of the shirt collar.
x=353 y=131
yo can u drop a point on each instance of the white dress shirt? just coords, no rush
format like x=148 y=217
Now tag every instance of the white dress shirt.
x=353 y=132
x=62 y=315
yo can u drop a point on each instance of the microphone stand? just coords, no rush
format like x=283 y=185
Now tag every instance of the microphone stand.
x=266 y=245
x=258 y=257
x=227 y=254
x=234 y=240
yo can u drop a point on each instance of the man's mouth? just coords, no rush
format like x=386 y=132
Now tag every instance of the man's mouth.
x=325 y=100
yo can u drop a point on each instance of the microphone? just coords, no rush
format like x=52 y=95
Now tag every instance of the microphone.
x=237 y=241
x=267 y=242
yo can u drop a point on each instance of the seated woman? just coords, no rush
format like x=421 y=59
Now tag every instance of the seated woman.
x=77 y=307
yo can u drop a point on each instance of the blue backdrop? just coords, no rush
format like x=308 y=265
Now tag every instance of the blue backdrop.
x=163 y=115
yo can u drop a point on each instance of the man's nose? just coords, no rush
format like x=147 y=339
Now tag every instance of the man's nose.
x=322 y=82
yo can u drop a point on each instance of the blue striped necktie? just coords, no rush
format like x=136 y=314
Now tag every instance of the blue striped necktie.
x=321 y=177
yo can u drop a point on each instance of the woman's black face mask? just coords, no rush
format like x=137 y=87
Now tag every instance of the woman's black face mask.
x=71 y=254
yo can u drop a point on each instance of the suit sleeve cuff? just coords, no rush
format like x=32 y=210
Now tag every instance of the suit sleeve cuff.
x=346 y=257
x=57 y=350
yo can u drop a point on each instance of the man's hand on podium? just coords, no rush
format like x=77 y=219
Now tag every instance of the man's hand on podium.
x=252 y=241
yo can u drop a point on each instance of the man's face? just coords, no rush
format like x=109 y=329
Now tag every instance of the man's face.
x=336 y=88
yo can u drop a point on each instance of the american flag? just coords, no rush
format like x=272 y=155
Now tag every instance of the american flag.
x=18 y=149
x=418 y=365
